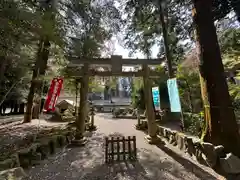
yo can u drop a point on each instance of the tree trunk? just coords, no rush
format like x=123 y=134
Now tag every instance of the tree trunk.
x=221 y=126
x=3 y=65
x=43 y=68
x=44 y=56
x=28 y=113
x=41 y=63
x=83 y=103
x=190 y=97
x=152 y=126
x=165 y=38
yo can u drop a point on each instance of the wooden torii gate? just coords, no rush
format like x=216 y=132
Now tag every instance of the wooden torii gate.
x=81 y=68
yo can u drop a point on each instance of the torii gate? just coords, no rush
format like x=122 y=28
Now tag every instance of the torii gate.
x=81 y=68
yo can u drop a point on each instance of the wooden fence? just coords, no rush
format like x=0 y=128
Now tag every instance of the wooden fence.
x=120 y=149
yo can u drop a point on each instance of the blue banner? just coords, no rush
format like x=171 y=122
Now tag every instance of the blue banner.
x=174 y=95
x=156 y=98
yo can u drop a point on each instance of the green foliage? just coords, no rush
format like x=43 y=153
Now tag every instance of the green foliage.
x=189 y=89
x=17 y=24
x=112 y=82
x=234 y=91
x=138 y=90
x=144 y=28
x=94 y=86
x=229 y=40
x=193 y=123
x=138 y=100
x=87 y=20
x=230 y=47
x=25 y=22
x=15 y=75
x=136 y=93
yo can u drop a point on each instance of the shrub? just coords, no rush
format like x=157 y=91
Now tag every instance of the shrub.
x=193 y=123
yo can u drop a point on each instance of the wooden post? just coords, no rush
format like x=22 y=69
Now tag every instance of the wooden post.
x=92 y=127
x=106 y=150
x=92 y=117
x=127 y=153
x=134 y=147
x=129 y=148
x=138 y=117
x=124 y=149
x=152 y=127
x=118 y=149
x=112 y=149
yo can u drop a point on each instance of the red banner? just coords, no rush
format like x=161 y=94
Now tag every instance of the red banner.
x=53 y=94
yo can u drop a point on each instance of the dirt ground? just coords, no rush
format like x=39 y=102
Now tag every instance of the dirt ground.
x=16 y=135
x=87 y=163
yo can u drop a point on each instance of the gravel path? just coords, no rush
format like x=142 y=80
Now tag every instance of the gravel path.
x=87 y=163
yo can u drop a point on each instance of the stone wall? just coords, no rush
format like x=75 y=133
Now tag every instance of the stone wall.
x=32 y=155
x=205 y=153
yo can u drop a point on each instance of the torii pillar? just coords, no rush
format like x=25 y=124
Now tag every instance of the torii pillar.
x=82 y=109
x=152 y=126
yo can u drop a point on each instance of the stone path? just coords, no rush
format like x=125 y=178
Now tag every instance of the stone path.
x=87 y=163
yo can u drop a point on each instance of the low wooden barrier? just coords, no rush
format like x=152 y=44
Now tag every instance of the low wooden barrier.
x=120 y=149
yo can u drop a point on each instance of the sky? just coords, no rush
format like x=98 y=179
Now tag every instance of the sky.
x=120 y=50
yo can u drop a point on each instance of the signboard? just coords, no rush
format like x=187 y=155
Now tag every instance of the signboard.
x=53 y=94
x=173 y=95
x=156 y=98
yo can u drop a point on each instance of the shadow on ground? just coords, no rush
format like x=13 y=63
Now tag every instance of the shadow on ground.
x=188 y=165
x=87 y=163
x=109 y=117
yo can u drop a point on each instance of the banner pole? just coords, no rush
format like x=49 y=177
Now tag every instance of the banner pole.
x=40 y=109
x=182 y=121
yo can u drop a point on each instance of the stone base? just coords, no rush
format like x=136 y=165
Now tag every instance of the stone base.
x=140 y=127
x=92 y=128
x=152 y=140
x=78 y=142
